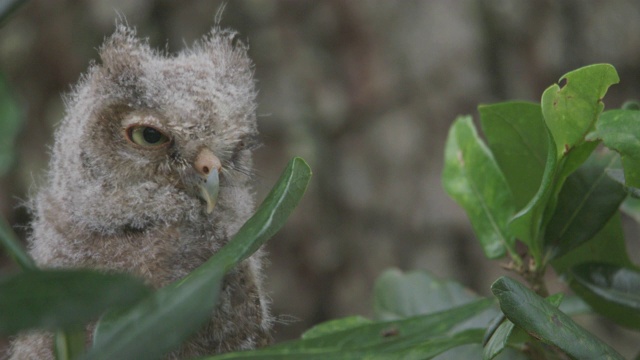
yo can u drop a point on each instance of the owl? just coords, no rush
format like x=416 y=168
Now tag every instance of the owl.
x=150 y=174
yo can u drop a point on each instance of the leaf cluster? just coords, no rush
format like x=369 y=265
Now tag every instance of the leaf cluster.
x=545 y=189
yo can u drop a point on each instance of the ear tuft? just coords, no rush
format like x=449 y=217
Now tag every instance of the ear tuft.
x=123 y=52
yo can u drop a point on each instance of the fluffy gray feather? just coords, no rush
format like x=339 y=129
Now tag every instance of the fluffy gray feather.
x=112 y=205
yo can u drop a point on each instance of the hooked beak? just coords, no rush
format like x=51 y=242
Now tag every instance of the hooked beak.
x=208 y=166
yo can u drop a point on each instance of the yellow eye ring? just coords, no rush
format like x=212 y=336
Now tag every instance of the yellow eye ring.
x=146 y=136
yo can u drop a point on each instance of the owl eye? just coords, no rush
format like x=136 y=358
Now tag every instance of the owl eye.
x=146 y=136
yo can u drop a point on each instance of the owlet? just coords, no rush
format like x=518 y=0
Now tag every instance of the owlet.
x=150 y=174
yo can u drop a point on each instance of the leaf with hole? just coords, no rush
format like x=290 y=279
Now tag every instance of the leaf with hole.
x=571 y=111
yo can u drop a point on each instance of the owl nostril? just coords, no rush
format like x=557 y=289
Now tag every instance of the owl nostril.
x=206 y=162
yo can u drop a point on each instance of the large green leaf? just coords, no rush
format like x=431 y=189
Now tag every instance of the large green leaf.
x=588 y=199
x=56 y=299
x=545 y=322
x=517 y=137
x=473 y=179
x=527 y=224
x=163 y=321
x=571 y=111
x=620 y=130
x=418 y=337
x=399 y=295
x=608 y=245
x=611 y=290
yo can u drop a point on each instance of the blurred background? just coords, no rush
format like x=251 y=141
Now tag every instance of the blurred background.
x=365 y=91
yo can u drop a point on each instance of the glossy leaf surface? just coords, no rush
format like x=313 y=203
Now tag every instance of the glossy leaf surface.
x=517 y=137
x=473 y=179
x=588 y=199
x=545 y=322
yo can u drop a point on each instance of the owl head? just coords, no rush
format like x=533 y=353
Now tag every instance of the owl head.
x=155 y=138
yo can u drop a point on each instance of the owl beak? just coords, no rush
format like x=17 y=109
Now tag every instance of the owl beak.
x=208 y=166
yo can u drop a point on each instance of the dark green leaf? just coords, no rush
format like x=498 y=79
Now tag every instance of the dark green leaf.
x=545 y=322
x=620 y=130
x=588 y=199
x=163 y=321
x=57 y=299
x=474 y=180
x=571 y=111
x=528 y=222
x=517 y=137
x=607 y=246
x=611 y=290
x=507 y=334
x=498 y=341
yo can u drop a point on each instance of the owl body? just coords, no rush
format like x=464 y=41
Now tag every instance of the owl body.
x=129 y=187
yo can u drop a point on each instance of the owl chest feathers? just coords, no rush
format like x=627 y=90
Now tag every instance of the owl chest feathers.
x=159 y=253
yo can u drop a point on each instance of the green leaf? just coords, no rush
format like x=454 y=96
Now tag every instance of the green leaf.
x=418 y=337
x=507 y=334
x=498 y=341
x=620 y=130
x=545 y=322
x=163 y=321
x=528 y=223
x=571 y=111
x=69 y=344
x=517 y=137
x=399 y=295
x=56 y=299
x=331 y=326
x=611 y=290
x=10 y=125
x=588 y=199
x=607 y=246
x=473 y=179
x=10 y=242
